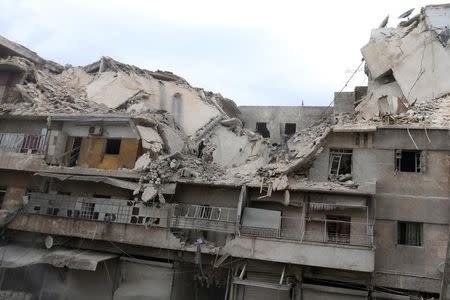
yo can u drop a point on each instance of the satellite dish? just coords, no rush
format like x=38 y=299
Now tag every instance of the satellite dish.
x=406 y=13
x=384 y=23
x=48 y=242
x=441 y=267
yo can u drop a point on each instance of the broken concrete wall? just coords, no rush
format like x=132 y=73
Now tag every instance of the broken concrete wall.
x=187 y=105
x=276 y=118
x=413 y=56
x=231 y=150
x=203 y=195
x=22 y=126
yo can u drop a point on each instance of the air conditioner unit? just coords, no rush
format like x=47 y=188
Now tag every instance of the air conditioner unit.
x=95 y=130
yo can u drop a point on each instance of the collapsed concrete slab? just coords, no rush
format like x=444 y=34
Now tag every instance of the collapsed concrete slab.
x=409 y=64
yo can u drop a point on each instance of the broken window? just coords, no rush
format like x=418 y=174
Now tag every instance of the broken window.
x=112 y=146
x=338 y=229
x=407 y=161
x=261 y=128
x=2 y=194
x=290 y=128
x=340 y=163
x=409 y=233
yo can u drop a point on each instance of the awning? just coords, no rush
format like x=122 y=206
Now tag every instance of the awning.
x=16 y=256
x=107 y=180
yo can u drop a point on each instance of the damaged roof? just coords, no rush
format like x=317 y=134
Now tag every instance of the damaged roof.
x=192 y=135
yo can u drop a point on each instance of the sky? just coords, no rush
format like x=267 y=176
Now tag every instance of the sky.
x=254 y=52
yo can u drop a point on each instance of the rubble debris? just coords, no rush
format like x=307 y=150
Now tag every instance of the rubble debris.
x=401 y=64
x=149 y=193
x=192 y=135
x=150 y=139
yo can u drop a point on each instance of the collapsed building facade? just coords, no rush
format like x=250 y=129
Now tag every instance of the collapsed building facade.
x=123 y=183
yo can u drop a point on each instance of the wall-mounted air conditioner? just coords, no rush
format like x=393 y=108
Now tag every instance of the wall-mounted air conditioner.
x=95 y=130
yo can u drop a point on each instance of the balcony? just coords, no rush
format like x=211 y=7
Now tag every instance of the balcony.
x=22 y=143
x=308 y=228
x=21 y=151
x=201 y=217
x=320 y=235
x=181 y=216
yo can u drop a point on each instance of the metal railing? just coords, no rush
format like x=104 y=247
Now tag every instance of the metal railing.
x=181 y=216
x=198 y=217
x=338 y=232
x=317 y=230
x=22 y=143
x=202 y=217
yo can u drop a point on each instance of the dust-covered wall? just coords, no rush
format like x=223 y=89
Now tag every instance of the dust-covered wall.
x=277 y=116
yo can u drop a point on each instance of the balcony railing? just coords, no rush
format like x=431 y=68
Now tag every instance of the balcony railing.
x=182 y=216
x=22 y=143
x=191 y=216
x=198 y=217
x=317 y=230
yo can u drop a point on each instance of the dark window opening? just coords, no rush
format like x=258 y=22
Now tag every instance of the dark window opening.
x=69 y=213
x=63 y=193
x=340 y=162
x=338 y=229
x=37 y=208
x=261 y=128
x=112 y=146
x=409 y=233
x=366 y=139
x=357 y=139
x=135 y=211
x=75 y=151
x=87 y=210
x=2 y=195
x=290 y=128
x=407 y=160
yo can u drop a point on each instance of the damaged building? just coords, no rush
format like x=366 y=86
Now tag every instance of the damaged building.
x=123 y=183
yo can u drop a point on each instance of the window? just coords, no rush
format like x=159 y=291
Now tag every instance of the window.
x=112 y=146
x=409 y=233
x=2 y=194
x=338 y=229
x=340 y=162
x=290 y=128
x=261 y=128
x=407 y=160
x=87 y=210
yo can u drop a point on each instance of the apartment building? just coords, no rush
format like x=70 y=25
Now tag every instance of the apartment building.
x=164 y=192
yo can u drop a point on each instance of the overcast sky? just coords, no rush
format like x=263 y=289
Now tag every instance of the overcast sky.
x=254 y=52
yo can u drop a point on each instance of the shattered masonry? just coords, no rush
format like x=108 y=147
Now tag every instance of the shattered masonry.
x=109 y=156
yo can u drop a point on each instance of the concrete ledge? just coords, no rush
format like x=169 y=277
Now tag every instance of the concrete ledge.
x=320 y=255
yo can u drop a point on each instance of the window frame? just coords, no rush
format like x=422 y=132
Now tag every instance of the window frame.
x=418 y=160
x=420 y=226
x=265 y=134
x=339 y=153
x=340 y=224
x=107 y=147
x=291 y=126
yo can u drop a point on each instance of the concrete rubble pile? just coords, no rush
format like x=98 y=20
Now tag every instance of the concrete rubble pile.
x=192 y=135
x=408 y=70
